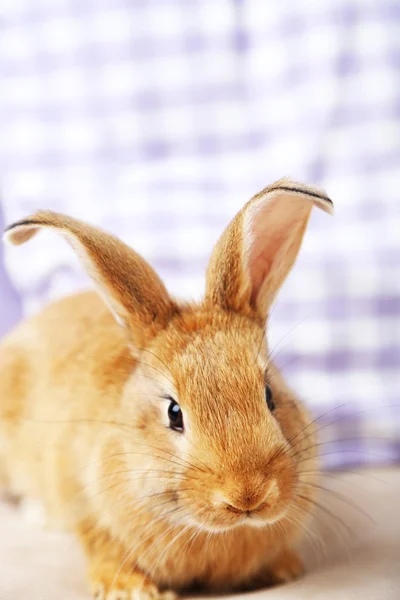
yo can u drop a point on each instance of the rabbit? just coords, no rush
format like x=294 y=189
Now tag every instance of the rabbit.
x=159 y=432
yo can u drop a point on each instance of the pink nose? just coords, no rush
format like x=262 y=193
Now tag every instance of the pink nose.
x=251 y=499
x=249 y=510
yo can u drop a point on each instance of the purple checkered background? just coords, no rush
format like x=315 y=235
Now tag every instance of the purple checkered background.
x=158 y=119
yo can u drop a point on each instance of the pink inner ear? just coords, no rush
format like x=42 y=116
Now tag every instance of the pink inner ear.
x=274 y=230
x=20 y=234
x=259 y=266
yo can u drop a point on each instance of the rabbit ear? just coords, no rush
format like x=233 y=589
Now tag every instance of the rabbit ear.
x=129 y=285
x=258 y=248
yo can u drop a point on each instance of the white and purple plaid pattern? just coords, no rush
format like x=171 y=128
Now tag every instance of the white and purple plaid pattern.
x=158 y=119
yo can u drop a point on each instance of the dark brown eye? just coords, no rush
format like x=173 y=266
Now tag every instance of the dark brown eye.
x=175 y=416
x=269 y=398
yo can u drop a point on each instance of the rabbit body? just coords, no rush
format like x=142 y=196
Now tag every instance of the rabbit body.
x=88 y=414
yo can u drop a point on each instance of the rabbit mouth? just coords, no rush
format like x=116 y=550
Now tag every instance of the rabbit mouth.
x=224 y=520
x=257 y=503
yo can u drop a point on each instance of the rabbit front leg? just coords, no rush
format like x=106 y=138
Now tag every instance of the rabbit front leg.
x=129 y=584
x=286 y=567
x=111 y=576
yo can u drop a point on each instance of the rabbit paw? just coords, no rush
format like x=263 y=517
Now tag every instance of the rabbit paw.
x=132 y=586
x=286 y=567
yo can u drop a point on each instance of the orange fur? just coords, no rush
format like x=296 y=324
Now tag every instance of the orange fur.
x=83 y=413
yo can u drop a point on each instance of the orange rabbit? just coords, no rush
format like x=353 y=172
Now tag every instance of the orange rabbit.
x=158 y=431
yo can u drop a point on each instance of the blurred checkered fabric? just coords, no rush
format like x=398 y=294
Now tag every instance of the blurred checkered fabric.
x=158 y=119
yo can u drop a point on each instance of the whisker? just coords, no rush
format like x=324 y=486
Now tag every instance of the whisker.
x=282 y=368
x=69 y=421
x=310 y=535
x=132 y=551
x=331 y=515
x=338 y=473
x=182 y=464
x=124 y=481
x=263 y=335
x=342 y=417
x=288 y=444
x=130 y=453
x=362 y=451
x=170 y=543
x=340 y=497
x=325 y=414
x=157 y=357
x=178 y=457
x=335 y=530
x=139 y=503
x=271 y=356
x=156 y=370
x=340 y=440
x=133 y=471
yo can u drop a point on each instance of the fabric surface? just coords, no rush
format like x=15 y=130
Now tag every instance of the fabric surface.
x=157 y=120
x=10 y=301
x=352 y=565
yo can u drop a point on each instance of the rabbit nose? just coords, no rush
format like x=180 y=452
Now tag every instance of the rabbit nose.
x=237 y=510
x=248 y=501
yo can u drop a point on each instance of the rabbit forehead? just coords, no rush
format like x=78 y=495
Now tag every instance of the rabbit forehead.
x=219 y=374
x=213 y=355
x=222 y=358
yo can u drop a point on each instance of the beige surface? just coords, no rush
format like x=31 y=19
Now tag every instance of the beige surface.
x=360 y=564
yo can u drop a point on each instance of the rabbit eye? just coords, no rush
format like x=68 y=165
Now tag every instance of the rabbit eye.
x=269 y=398
x=175 y=416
